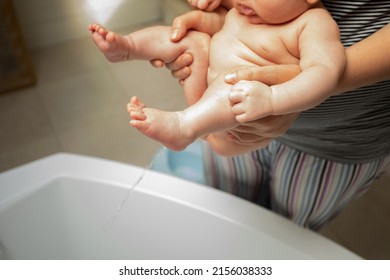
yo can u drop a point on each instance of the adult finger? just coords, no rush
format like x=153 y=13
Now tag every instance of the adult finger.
x=269 y=75
x=183 y=23
x=183 y=60
x=270 y=126
x=181 y=74
x=157 y=63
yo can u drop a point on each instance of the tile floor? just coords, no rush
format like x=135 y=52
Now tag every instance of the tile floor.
x=78 y=107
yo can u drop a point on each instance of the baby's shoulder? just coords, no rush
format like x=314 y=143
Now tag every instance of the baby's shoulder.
x=316 y=18
x=316 y=15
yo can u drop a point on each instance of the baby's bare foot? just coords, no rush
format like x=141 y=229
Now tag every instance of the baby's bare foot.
x=135 y=109
x=115 y=47
x=164 y=127
x=99 y=29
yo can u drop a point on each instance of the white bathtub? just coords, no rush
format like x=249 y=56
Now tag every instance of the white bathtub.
x=74 y=207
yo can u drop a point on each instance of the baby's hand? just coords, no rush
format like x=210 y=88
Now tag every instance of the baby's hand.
x=205 y=5
x=115 y=47
x=250 y=100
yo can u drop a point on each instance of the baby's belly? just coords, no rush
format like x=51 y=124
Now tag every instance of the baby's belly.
x=228 y=53
x=220 y=66
x=234 y=56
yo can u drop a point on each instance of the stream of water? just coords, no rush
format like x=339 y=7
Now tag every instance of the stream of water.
x=108 y=225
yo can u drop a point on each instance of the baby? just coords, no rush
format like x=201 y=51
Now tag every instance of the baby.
x=254 y=33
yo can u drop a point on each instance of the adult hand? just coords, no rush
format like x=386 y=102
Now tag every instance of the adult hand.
x=205 y=5
x=180 y=67
x=197 y=20
x=262 y=130
x=269 y=75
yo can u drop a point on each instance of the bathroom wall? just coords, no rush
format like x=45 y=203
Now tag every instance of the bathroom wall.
x=48 y=22
x=174 y=8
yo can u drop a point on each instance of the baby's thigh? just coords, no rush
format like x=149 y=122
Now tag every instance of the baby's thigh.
x=196 y=44
x=197 y=41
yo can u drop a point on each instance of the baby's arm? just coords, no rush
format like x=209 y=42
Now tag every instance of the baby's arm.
x=250 y=100
x=322 y=61
x=257 y=134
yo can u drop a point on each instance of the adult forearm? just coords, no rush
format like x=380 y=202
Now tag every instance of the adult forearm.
x=368 y=62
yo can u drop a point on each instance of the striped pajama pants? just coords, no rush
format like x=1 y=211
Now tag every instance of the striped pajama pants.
x=304 y=188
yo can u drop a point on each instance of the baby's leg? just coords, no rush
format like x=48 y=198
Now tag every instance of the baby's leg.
x=162 y=126
x=154 y=43
x=176 y=130
x=115 y=47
